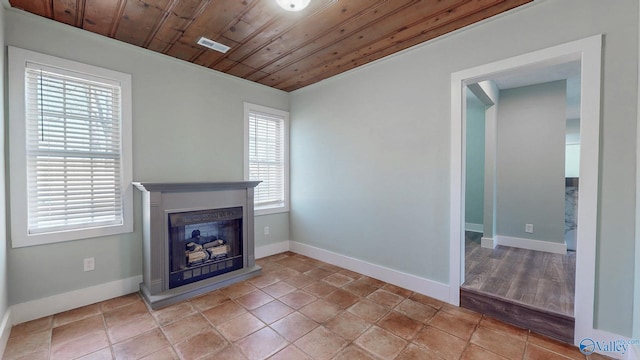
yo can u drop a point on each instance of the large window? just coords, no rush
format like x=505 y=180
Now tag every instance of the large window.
x=267 y=157
x=70 y=150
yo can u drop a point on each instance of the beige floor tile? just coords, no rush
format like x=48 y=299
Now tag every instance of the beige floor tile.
x=320 y=288
x=347 y=325
x=263 y=280
x=353 y=352
x=320 y=311
x=454 y=325
x=224 y=312
x=360 y=288
x=400 y=325
x=272 y=311
x=504 y=328
x=294 y=326
x=279 y=289
x=498 y=343
x=141 y=345
x=80 y=346
x=254 y=299
x=426 y=300
x=475 y=352
x=415 y=352
x=209 y=300
x=239 y=327
x=163 y=354
x=297 y=299
x=111 y=304
x=205 y=343
x=291 y=352
x=102 y=354
x=189 y=326
x=443 y=344
x=76 y=314
x=125 y=313
x=76 y=329
x=558 y=347
x=33 y=326
x=238 y=289
x=261 y=344
x=172 y=313
x=385 y=298
x=134 y=327
x=342 y=298
x=230 y=352
x=31 y=343
x=381 y=343
x=416 y=311
x=337 y=280
x=299 y=280
x=397 y=290
x=321 y=343
x=368 y=310
x=318 y=273
x=534 y=352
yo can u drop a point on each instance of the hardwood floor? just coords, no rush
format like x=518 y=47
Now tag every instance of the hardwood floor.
x=528 y=288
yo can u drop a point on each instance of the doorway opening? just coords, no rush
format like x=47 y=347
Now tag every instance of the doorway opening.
x=587 y=53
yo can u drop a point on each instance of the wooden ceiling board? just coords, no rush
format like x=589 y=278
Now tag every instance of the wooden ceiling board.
x=315 y=31
x=139 y=19
x=38 y=7
x=177 y=21
x=68 y=11
x=99 y=16
x=279 y=25
x=321 y=61
x=282 y=49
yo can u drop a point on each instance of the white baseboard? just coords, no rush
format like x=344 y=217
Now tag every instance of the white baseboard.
x=538 y=245
x=271 y=249
x=487 y=243
x=474 y=227
x=36 y=309
x=5 y=330
x=423 y=286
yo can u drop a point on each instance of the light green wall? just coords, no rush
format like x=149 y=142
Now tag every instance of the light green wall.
x=474 y=180
x=370 y=148
x=4 y=291
x=530 y=150
x=187 y=126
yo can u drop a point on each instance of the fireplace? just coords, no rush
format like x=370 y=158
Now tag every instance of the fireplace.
x=197 y=237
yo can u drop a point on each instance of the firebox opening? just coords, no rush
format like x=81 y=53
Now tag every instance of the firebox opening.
x=204 y=243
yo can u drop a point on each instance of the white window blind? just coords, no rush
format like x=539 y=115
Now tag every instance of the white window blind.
x=267 y=157
x=73 y=151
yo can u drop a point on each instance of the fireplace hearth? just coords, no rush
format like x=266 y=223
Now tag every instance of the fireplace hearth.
x=197 y=237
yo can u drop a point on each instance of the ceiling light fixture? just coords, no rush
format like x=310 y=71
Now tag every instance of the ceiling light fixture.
x=293 y=5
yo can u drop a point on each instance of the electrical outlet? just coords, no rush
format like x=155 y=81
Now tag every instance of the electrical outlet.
x=89 y=264
x=266 y=230
x=528 y=228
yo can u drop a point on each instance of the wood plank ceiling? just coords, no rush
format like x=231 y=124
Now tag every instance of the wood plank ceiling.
x=282 y=49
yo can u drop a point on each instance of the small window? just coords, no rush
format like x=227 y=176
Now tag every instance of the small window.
x=267 y=157
x=70 y=150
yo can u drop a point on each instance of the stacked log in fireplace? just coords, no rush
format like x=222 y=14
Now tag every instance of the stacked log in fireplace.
x=203 y=249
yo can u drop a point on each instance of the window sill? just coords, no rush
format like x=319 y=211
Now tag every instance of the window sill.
x=270 y=210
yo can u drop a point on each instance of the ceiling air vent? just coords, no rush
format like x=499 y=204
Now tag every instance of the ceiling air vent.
x=213 y=45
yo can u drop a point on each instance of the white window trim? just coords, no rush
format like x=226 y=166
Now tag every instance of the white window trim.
x=18 y=59
x=248 y=107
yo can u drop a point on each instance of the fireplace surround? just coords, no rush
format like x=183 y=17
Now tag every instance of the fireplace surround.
x=197 y=237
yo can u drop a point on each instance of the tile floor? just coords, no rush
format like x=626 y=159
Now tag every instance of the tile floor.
x=299 y=308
